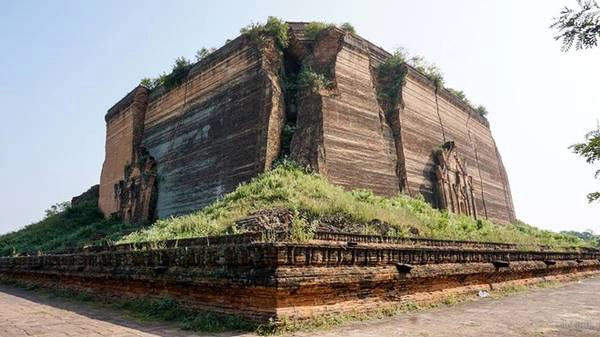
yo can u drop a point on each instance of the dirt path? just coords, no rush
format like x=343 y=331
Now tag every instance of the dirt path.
x=571 y=310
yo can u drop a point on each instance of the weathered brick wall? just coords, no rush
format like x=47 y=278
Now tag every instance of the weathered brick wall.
x=219 y=128
x=222 y=126
x=124 y=128
x=429 y=118
x=345 y=133
x=359 y=146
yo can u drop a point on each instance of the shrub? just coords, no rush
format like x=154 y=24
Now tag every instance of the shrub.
x=175 y=78
x=481 y=110
x=348 y=27
x=274 y=28
x=203 y=53
x=391 y=77
x=313 y=29
x=310 y=79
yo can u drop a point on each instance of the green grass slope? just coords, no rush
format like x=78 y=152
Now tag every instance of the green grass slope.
x=313 y=197
x=308 y=195
x=76 y=226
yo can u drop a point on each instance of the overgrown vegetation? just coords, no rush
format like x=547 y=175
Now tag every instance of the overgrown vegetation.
x=274 y=28
x=289 y=186
x=314 y=28
x=461 y=95
x=392 y=77
x=203 y=52
x=308 y=78
x=73 y=227
x=178 y=73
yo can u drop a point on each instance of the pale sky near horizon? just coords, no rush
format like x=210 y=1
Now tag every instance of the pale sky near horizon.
x=64 y=63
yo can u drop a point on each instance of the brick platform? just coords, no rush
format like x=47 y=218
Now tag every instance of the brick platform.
x=246 y=276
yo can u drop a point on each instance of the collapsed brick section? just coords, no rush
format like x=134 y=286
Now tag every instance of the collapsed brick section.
x=223 y=125
x=245 y=276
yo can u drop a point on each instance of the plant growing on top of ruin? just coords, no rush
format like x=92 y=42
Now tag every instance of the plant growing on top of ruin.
x=314 y=28
x=179 y=71
x=391 y=77
x=308 y=78
x=481 y=110
x=461 y=95
x=274 y=28
x=430 y=70
x=348 y=27
x=203 y=52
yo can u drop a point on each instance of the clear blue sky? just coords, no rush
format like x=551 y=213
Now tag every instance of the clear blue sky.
x=64 y=63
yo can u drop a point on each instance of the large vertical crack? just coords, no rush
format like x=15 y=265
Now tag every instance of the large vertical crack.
x=388 y=85
x=437 y=110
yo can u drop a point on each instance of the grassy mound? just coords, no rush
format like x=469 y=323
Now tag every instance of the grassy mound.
x=76 y=226
x=311 y=196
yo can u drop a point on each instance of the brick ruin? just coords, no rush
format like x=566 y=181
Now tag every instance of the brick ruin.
x=279 y=280
x=171 y=152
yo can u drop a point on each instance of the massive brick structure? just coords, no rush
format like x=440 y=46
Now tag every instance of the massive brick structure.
x=223 y=125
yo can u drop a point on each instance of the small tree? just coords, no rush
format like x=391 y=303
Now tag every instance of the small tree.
x=590 y=150
x=579 y=26
x=204 y=52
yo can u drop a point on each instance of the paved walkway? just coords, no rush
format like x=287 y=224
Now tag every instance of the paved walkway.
x=571 y=310
x=25 y=313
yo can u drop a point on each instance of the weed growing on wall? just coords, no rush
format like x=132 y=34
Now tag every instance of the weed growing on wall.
x=461 y=95
x=313 y=29
x=274 y=28
x=308 y=78
x=175 y=78
x=391 y=78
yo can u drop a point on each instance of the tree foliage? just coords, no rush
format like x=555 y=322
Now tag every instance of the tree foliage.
x=590 y=150
x=580 y=26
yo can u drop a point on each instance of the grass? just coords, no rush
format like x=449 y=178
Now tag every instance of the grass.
x=310 y=195
x=76 y=226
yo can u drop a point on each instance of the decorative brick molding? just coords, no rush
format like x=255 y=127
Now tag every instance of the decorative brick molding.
x=245 y=276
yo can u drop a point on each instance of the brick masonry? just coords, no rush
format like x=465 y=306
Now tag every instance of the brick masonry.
x=245 y=276
x=223 y=124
